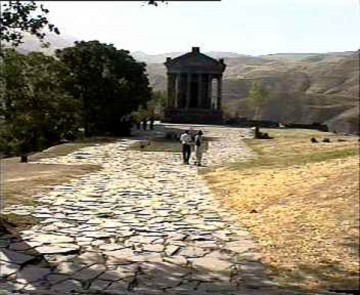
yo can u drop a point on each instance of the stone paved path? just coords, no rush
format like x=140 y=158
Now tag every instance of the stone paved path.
x=144 y=224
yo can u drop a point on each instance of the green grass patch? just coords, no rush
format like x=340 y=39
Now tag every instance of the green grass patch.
x=19 y=221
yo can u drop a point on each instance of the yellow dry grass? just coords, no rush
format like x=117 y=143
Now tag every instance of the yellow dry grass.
x=307 y=202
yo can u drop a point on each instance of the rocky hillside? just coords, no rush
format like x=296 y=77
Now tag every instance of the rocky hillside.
x=302 y=88
x=30 y=43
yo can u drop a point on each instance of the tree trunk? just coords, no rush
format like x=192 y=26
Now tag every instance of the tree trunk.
x=24 y=158
x=257 y=124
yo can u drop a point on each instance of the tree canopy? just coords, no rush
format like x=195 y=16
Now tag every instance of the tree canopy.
x=35 y=109
x=257 y=98
x=109 y=81
x=17 y=17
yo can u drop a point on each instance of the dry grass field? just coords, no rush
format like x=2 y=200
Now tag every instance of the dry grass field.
x=305 y=202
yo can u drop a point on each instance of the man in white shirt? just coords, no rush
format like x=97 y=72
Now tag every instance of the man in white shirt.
x=186 y=140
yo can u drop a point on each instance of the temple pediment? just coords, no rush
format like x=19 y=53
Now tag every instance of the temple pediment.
x=195 y=62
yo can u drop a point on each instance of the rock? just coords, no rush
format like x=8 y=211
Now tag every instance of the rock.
x=67 y=286
x=97 y=235
x=111 y=247
x=15 y=257
x=56 y=278
x=171 y=250
x=211 y=264
x=99 y=285
x=59 y=249
x=69 y=267
x=121 y=255
x=31 y=273
x=51 y=239
x=178 y=260
x=142 y=239
x=119 y=288
x=119 y=273
x=90 y=258
x=153 y=248
x=177 y=237
x=240 y=246
x=7 y=268
x=20 y=246
x=89 y=273
x=193 y=252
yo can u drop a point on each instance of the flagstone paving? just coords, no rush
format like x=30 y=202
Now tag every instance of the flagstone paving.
x=144 y=224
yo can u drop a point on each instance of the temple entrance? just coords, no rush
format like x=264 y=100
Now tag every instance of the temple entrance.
x=192 y=97
x=194 y=86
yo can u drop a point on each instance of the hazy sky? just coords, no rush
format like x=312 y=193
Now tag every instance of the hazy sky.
x=243 y=26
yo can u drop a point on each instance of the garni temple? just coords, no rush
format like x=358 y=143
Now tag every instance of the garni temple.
x=194 y=87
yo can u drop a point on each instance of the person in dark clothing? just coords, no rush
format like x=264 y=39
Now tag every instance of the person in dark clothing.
x=186 y=140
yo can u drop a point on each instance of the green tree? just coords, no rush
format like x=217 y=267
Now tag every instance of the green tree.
x=109 y=81
x=155 y=107
x=35 y=109
x=257 y=101
x=17 y=17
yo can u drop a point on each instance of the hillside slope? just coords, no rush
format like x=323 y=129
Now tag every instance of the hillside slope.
x=302 y=88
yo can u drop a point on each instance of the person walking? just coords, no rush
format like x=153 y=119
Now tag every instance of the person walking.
x=199 y=147
x=186 y=140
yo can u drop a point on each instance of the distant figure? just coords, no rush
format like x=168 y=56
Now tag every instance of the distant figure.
x=199 y=147
x=144 y=124
x=151 y=123
x=186 y=140
x=313 y=140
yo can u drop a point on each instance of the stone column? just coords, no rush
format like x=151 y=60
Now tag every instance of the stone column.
x=188 y=90
x=219 y=90
x=177 y=90
x=210 y=91
x=171 y=90
x=200 y=90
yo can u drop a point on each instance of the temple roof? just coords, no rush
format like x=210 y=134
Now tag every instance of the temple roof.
x=195 y=62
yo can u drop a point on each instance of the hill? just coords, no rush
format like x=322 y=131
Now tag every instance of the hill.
x=302 y=87
x=30 y=43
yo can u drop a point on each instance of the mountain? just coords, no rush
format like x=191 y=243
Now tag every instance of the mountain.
x=31 y=43
x=302 y=87
x=160 y=58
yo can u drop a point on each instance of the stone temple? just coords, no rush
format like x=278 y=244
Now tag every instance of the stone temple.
x=194 y=87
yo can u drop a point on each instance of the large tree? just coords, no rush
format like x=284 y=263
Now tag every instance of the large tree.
x=36 y=111
x=109 y=81
x=18 y=17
